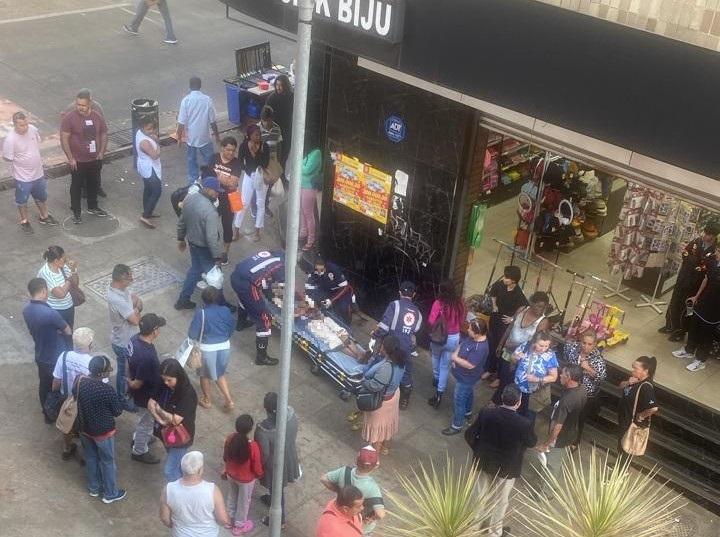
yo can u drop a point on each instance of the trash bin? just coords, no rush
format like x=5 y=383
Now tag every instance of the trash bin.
x=234 y=108
x=139 y=110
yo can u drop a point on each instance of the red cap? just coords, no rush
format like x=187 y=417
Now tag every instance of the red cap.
x=368 y=456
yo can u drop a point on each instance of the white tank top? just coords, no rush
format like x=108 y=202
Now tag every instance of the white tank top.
x=519 y=334
x=193 y=509
x=145 y=164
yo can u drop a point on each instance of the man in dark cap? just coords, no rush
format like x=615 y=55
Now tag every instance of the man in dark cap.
x=143 y=382
x=402 y=319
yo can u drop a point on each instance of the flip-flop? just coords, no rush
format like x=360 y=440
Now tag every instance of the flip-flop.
x=229 y=407
x=355 y=427
x=204 y=402
x=147 y=223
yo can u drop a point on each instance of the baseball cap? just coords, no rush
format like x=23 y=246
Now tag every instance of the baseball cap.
x=368 y=456
x=407 y=288
x=150 y=322
x=212 y=183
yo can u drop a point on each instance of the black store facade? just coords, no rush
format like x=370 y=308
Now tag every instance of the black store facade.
x=420 y=90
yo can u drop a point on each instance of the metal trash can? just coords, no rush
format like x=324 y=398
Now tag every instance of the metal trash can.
x=140 y=109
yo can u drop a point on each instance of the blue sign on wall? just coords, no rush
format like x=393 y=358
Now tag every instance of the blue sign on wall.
x=395 y=129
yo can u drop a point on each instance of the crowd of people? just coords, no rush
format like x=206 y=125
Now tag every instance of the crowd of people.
x=511 y=349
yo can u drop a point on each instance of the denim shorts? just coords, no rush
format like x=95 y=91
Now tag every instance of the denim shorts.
x=24 y=189
x=214 y=363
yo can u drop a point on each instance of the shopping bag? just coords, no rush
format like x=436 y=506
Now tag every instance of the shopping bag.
x=235 y=201
x=214 y=277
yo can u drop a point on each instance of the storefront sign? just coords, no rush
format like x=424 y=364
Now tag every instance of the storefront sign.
x=362 y=188
x=383 y=19
x=395 y=129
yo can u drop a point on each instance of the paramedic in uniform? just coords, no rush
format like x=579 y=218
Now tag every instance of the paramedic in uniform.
x=329 y=288
x=403 y=320
x=251 y=279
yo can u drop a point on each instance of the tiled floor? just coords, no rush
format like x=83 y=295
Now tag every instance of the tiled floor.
x=641 y=323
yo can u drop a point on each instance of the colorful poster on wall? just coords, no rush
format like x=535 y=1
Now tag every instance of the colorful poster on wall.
x=362 y=188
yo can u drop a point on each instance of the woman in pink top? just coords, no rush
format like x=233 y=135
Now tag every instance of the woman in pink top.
x=450 y=308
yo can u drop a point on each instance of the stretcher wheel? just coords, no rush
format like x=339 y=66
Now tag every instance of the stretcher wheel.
x=315 y=368
x=344 y=395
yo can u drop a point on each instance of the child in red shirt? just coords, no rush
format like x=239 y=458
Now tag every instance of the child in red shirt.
x=243 y=466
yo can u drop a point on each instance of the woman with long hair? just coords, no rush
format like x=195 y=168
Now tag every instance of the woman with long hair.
x=639 y=386
x=281 y=101
x=175 y=405
x=254 y=154
x=243 y=467
x=448 y=308
x=60 y=274
x=383 y=374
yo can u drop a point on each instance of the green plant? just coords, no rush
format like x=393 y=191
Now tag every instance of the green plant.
x=596 y=500
x=439 y=502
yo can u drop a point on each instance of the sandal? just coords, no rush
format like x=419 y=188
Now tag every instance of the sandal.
x=353 y=415
x=229 y=406
x=204 y=402
x=384 y=450
x=355 y=427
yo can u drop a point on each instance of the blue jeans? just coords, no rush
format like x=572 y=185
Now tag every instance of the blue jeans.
x=193 y=166
x=122 y=358
x=463 y=402
x=100 y=465
x=441 y=355
x=151 y=194
x=201 y=260
x=172 y=469
x=407 y=379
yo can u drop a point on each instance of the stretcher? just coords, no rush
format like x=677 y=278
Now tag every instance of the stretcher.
x=342 y=363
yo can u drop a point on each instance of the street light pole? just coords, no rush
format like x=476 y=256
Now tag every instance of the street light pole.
x=302 y=68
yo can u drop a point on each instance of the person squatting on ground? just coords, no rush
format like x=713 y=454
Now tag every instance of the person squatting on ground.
x=243 y=467
x=402 y=319
x=250 y=280
x=330 y=289
x=21 y=149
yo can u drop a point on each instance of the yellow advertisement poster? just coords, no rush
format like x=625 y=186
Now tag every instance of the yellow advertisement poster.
x=362 y=188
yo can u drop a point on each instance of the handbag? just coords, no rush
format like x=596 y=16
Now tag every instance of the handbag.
x=368 y=401
x=77 y=294
x=272 y=173
x=55 y=399
x=174 y=436
x=235 y=201
x=68 y=414
x=438 y=332
x=635 y=439
x=189 y=354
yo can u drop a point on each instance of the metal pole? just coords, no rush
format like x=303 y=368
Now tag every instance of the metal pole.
x=302 y=68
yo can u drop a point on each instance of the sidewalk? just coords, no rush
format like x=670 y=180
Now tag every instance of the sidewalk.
x=42 y=495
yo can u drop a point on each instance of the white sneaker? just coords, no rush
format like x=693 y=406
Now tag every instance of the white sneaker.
x=695 y=365
x=682 y=353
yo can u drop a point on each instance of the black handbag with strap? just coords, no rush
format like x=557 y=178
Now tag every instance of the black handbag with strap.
x=55 y=399
x=367 y=400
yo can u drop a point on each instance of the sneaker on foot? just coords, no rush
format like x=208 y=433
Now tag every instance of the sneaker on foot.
x=185 y=305
x=695 y=365
x=145 y=458
x=49 y=221
x=266 y=360
x=170 y=41
x=93 y=493
x=77 y=219
x=121 y=493
x=682 y=353
x=98 y=212
x=26 y=227
x=450 y=431
x=130 y=30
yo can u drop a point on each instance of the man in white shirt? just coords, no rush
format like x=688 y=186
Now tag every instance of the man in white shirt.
x=70 y=365
x=22 y=149
x=195 y=119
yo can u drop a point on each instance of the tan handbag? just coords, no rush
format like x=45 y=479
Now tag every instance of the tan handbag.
x=272 y=173
x=67 y=416
x=634 y=441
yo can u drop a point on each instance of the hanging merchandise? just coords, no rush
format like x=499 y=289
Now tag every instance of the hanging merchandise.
x=476 y=227
x=526 y=212
x=604 y=320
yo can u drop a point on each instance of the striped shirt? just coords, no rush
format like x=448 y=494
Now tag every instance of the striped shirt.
x=53 y=280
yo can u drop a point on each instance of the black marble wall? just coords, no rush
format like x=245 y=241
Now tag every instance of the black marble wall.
x=416 y=243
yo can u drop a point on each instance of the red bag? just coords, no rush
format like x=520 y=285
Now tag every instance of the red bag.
x=174 y=436
x=235 y=201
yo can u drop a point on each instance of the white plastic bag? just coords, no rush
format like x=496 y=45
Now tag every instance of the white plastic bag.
x=214 y=277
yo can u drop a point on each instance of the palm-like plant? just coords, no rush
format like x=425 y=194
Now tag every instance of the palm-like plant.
x=439 y=502
x=596 y=500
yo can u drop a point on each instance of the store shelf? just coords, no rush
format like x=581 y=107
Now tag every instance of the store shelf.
x=519 y=162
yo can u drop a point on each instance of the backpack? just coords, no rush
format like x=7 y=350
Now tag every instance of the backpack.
x=368 y=503
x=179 y=195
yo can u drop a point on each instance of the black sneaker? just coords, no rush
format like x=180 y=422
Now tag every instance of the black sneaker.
x=49 y=221
x=101 y=192
x=145 y=458
x=77 y=219
x=97 y=211
x=26 y=227
x=67 y=455
x=121 y=493
x=130 y=30
x=450 y=431
x=266 y=360
x=185 y=305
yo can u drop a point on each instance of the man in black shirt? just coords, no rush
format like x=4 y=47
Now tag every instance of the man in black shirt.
x=498 y=439
x=564 y=419
x=144 y=382
x=507 y=298
x=705 y=318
